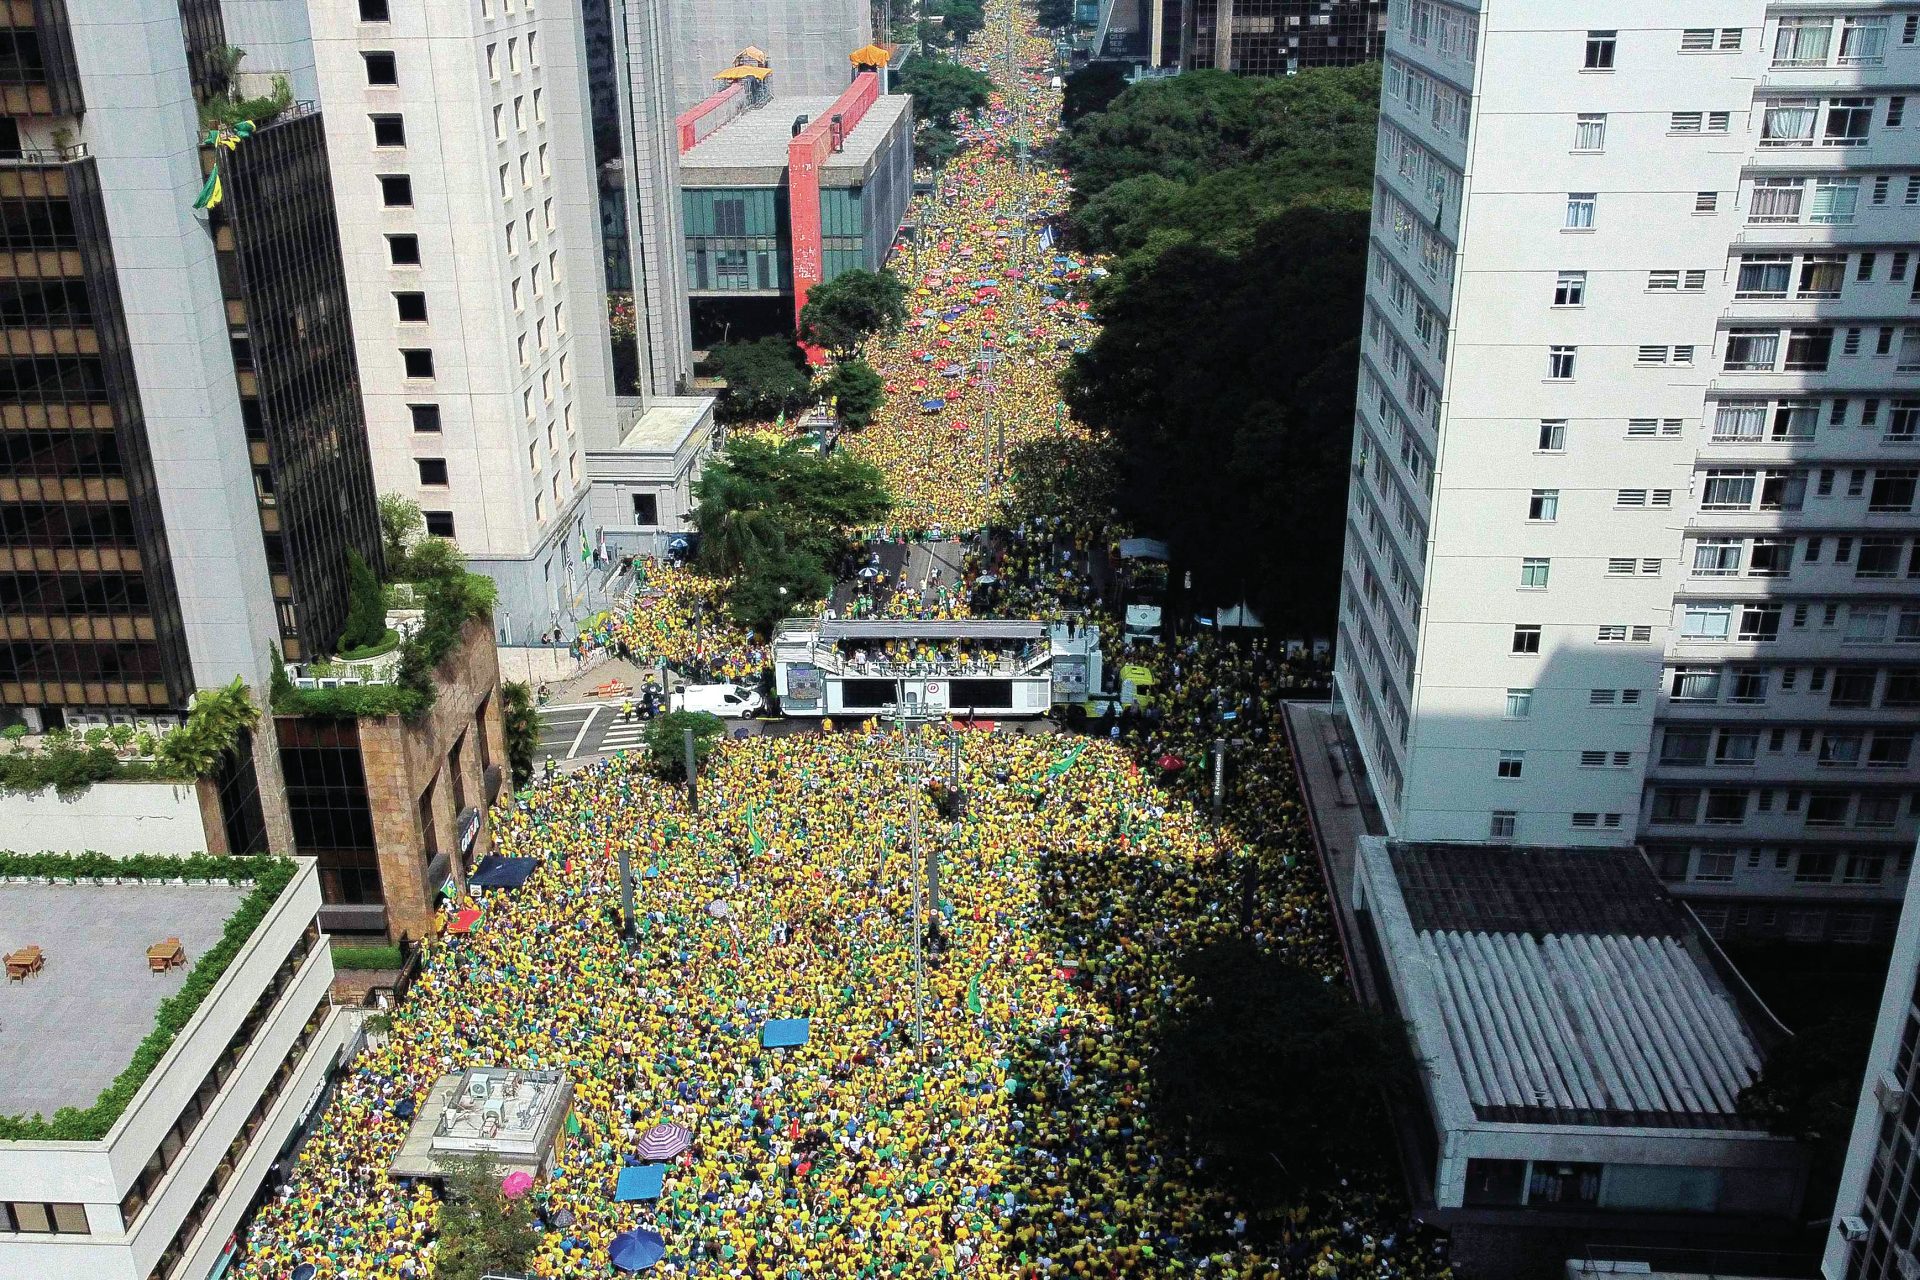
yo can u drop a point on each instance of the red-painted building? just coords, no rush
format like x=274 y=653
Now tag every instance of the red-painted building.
x=788 y=193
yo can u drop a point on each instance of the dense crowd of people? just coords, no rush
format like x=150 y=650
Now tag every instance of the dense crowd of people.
x=1017 y=1143
x=975 y=373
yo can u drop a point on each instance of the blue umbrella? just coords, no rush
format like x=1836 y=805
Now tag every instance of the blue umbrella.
x=933 y=405
x=305 y=1271
x=636 y=1250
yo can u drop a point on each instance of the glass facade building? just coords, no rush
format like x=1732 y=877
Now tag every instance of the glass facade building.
x=1270 y=37
x=736 y=239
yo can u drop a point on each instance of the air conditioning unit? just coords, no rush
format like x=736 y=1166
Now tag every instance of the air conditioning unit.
x=1889 y=1092
x=1853 y=1228
x=1909 y=1265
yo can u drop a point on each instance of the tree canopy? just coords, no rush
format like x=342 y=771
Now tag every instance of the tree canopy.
x=1227 y=389
x=962 y=18
x=1092 y=88
x=764 y=378
x=1225 y=368
x=857 y=391
x=1304 y=133
x=1275 y=1076
x=771 y=518
x=1054 y=14
x=478 y=1228
x=942 y=88
x=666 y=740
x=842 y=312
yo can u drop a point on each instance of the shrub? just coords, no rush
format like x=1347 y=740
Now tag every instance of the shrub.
x=213 y=726
x=14 y=732
x=366 y=615
x=367 y=958
x=523 y=731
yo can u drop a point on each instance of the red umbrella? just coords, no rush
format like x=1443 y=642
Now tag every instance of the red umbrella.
x=1170 y=762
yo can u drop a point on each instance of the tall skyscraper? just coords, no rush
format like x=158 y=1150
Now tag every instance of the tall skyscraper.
x=185 y=465
x=462 y=164
x=1631 y=536
x=1248 y=37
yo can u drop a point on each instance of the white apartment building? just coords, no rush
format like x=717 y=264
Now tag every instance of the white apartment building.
x=1631 y=538
x=159 y=1196
x=1871 y=1237
x=463 y=170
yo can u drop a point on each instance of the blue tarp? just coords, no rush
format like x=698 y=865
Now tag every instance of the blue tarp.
x=496 y=872
x=783 y=1033
x=640 y=1182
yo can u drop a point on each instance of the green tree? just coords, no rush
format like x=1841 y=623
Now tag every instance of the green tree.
x=943 y=89
x=478 y=1228
x=366 y=615
x=933 y=147
x=764 y=379
x=1275 y=1076
x=963 y=18
x=1809 y=1087
x=1316 y=129
x=1093 y=87
x=666 y=740
x=857 y=391
x=401 y=525
x=1218 y=377
x=771 y=519
x=842 y=312
x=522 y=726
x=1053 y=15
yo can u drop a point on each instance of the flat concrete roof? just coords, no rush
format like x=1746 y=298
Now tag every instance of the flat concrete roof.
x=666 y=424
x=751 y=149
x=66 y=1032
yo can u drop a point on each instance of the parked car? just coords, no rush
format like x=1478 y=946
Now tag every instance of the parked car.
x=726 y=700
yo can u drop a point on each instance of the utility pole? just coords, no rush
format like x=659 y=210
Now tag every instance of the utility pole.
x=626 y=893
x=915 y=757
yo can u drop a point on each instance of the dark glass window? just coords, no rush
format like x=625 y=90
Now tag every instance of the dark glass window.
x=403 y=251
x=396 y=190
x=433 y=472
x=439 y=523
x=426 y=417
x=646 y=509
x=373 y=11
x=381 y=69
x=389 y=131
x=413 y=309
x=418 y=361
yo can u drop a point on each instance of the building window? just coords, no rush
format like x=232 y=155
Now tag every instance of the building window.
x=396 y=190
x=1752 y=350
x=1519 y=704
x=1802 y=42
x=1501 y=827
x=374 y=11
x=426 y=418
x=1600 y=50
x=418 y=361
x=439 y=523
x=1553 y=435
x=412 y=309
x=1543 y=504
x=40 y=1217
x=1580 y=210
x=1570 y=290
x=1533 y=572
x=403 y=251
x=381 y=69
x=1706 y=202
x=1848 y=120
x=1560 y=362
x=1590 y=133
x=1526 y=638
x=1776 y=200
x=433 y=472
x=1511 y=763
x=389 y=131
x=646 y=509
x=1863 y=41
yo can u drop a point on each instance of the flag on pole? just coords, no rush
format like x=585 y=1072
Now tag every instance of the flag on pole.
x=212 y=193
x=973 y=995
x=754 y=842
x=586 y=548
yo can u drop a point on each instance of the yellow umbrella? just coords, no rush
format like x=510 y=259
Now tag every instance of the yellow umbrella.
x=741 y=73
x=870 y=56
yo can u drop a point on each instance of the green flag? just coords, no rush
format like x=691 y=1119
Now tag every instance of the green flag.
x=1059 y=767
x=754 y=842
x=586 y=550
x=973 y=995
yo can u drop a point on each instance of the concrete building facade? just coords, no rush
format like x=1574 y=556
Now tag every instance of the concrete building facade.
x=1631 y=526
x=159 y=1195
x=1871 y=1236
x=470 y=224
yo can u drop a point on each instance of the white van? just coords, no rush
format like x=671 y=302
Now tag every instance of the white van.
x=730 y=701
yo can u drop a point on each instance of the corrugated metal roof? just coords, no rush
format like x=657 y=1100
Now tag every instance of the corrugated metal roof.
x=1501 y=889
x=1589 y=1028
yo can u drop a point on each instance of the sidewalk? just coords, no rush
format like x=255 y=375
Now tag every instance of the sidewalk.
x=1343 y=810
